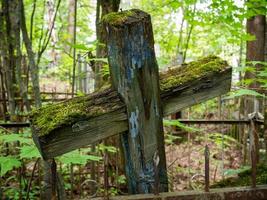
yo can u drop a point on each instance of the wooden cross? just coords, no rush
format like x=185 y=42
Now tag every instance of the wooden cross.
x=134 y=105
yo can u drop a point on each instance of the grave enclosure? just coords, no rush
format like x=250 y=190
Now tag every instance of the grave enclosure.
x=134 y=105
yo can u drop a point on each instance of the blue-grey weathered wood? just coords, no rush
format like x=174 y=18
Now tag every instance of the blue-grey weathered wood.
x=134 y=74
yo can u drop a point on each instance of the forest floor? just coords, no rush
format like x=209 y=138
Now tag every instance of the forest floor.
x=185 y=159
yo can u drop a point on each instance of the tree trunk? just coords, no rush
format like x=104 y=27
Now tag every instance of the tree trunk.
x=71 y=11
x=103 y=7
x=51 y=13
x=3 y=61
x=21 y=83
x=9 y=10
x=34 y=71
x=74 y=49
x=255 y=52
x=265 y=107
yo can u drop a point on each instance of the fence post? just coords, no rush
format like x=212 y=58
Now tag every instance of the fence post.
x=49 y=190
x=134 y=74
x=207 y=168
x=254 y=146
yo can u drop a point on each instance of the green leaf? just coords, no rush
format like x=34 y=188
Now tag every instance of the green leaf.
x=110 y=149
x=78 y=46
x=180 y=125
x=14 y=138
x=231 y=172
x=29 y=152
x=175 y=4
x=7 y=164
x=76 y=157
x=242 y=92
x=170 y=138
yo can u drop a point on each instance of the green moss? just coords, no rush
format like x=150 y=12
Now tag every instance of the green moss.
x=52 y=116
x=244 y=178
x=191 y=71
x=118 y=18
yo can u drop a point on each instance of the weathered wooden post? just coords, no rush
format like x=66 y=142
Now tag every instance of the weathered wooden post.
x=135 y=76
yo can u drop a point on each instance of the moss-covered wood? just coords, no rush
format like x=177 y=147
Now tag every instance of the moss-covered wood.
x=103 y=114
x=53 y=116
x=189 y=72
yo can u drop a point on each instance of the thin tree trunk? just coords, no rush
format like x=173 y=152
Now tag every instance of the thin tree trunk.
x=74 y=49
x=103 y=7
x=51 y=14
x=189 y=34
x=9 y=59
x=3 y=56
x=32 y=18
x=180 y=34
x=21 y=84
x=71 y=10
x=33 y=67
x=265 y=107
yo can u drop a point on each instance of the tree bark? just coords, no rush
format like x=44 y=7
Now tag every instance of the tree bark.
x=74 y=49
x=255 y=52
x=265 y=105
x=9 y=57
x=103 y=7
x=34 y=71
x=21 y=83
x=71 y=18
x=3 y=57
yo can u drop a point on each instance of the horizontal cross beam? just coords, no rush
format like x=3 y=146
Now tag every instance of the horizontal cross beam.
x=62 y=127
x=236 y=193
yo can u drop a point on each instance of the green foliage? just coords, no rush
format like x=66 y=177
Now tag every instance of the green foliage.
x=242 y=92
x=171 y=138
x=29 y=152
x=8 y=163
x=82 y=47
x=232 y=172
x=79 y=158
x=110 y=149
x=121 y=179
x=181 y=125
x=243 y=178
x=14 y=137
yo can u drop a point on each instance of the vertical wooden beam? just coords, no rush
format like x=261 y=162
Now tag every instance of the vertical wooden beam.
x=49 y=189
x=135 y=76
x=207 y=169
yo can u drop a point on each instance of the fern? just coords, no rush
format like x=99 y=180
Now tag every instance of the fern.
x=8 y=163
